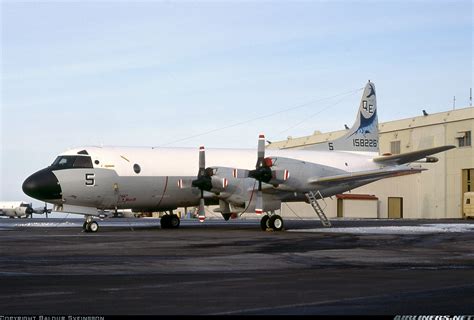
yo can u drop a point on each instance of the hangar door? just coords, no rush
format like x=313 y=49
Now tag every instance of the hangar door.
x=467 y=183
x=467 y=180
x=395 y=207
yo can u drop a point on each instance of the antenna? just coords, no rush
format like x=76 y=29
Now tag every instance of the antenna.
x=470 y=97
x=454 y=102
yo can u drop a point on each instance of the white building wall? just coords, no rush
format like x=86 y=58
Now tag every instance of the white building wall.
x=352 y=208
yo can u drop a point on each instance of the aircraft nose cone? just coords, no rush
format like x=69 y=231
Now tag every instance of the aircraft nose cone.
x=42 y=185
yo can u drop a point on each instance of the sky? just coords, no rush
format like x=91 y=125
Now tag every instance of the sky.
x=216 y=73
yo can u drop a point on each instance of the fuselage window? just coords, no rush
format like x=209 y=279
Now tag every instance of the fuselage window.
x=68 y=162
x=136 y=168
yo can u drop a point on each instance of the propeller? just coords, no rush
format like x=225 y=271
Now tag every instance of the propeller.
x=203 y=182
x=41 y=210
x=45 y=210
x=206 y=180
x=29 y=211
x=262 y=172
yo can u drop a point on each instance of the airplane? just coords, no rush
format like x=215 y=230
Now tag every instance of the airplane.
x=90 y=180
x=20 y=209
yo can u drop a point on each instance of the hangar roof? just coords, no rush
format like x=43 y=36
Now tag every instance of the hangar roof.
x=396 y=125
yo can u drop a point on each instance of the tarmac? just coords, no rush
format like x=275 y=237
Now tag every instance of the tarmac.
x=133 y=267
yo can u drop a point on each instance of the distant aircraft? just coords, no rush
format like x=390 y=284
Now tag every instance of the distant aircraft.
x=20 y=209
x=90 y=180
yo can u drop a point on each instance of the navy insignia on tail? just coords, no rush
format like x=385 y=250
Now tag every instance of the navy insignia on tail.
x=366 y=125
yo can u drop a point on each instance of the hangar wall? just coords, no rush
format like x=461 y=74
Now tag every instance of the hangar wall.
x=435 y=193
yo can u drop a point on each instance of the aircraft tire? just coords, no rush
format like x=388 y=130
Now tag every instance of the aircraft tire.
x=264 y=222
x=84 y=227
x=174 y=221
x=93 y=226
x=276 y=223
x=165 y=222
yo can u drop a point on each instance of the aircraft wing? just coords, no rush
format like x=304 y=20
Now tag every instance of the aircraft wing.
x=365 y=175
x=398 y=159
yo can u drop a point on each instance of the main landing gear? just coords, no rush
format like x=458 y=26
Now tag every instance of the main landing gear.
x=271 y=222
x=90 y=225
x=169 y=221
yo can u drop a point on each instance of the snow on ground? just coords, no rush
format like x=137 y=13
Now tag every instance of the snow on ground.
x=426 y=228
x=48 y=224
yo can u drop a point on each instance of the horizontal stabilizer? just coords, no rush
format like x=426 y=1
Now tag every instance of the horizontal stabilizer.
x=398 y=159
x=365 y=175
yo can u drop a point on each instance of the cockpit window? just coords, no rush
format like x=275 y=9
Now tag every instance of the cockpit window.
x=68 y=162
x=64 y=161
x=83 y=162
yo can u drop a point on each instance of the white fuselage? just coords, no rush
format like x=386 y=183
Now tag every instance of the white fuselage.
x=149 y=178
x=184 y=161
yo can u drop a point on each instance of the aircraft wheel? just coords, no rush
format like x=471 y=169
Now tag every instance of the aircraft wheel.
x=165 y=222
x=264 y=222
x=93 y=226
x=84 y=227
x=174 y=221
x=276 y=222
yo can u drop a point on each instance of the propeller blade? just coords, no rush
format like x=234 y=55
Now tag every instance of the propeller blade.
x=203 y=182
x=260 y=151
x=202 y=162
x=259 y=203
x=202 y=211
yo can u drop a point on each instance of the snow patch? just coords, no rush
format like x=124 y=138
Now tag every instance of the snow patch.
x=47 y=224
x=427 y=228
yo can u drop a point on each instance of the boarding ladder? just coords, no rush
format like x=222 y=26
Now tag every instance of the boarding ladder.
x=313 y=200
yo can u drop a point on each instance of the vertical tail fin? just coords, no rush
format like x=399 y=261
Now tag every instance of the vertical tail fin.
x=364 y=133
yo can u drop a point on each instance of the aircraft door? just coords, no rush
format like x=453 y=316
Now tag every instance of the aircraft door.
x=111 y=199
x=395 y=207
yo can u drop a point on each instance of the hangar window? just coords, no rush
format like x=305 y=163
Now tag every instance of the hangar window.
x=136 y=168
x=395 y=147
x=464 y=139
x=68 y=162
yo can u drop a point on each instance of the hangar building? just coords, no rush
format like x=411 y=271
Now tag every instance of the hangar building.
x=435 y=194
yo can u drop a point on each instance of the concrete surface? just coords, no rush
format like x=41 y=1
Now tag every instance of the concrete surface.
x=131 y=266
